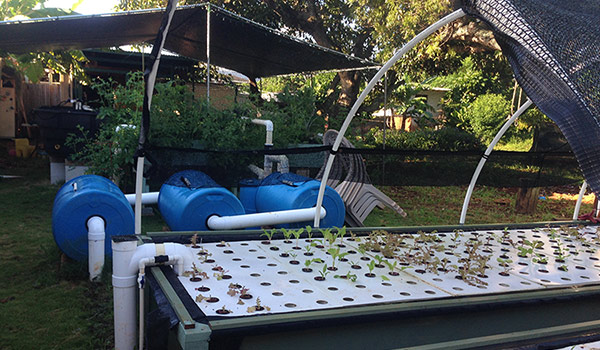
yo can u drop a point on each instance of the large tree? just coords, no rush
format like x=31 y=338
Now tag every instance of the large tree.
x=371 y=29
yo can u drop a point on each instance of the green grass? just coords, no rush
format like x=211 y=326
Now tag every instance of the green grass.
x=46 y=301
x=442 y=206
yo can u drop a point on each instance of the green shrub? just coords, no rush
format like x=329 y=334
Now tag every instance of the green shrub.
x=486 y=115
x=179 y=120
x=445 y=139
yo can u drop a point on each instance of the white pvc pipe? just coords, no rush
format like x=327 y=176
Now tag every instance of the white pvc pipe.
x=269 y=129
x=488 y=151
x=138 y=195
x=124 y=284
x=96 y=237
x=407 y=47
x=126 y=264
x=173 y=260
x=262 y=219
x=579 y=200
x=147 y=198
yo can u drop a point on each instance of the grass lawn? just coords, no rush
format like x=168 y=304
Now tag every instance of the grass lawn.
x=46 y=301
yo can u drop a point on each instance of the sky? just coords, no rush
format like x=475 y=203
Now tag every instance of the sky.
x=87 y=7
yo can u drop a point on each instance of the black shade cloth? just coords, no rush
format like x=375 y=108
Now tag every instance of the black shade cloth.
x=553 y=47
x=236 y=43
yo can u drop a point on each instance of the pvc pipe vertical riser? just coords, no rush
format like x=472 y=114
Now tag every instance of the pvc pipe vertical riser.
x=96 y=238
x=407 y=47
x=579 y=200
x=124 y=295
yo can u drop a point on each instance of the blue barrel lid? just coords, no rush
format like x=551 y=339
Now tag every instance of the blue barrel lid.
x=191 y=179
x=284 y=179
x=249 y=183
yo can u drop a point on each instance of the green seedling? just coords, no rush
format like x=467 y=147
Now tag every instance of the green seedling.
x=286 y=234
x=348 y=276
x=296 y=234
x=334 y=252
x=341 y=233
x=324 y=272
x=379 y=259
x=384 y=278
x=309 y=232
x=391 y=266
x=308 y=248
x=268 y=234
x=371 y=266
x=505 y=264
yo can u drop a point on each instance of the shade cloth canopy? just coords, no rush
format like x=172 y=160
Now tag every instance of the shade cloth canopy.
x=553 y=47
x=235 y=42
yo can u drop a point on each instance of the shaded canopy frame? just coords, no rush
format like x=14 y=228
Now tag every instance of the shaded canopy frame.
x=553 y=47
x=235 y=42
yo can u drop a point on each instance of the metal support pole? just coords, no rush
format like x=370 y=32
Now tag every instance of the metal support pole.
x=208 y=53
x=485 y=156
x=407 y=47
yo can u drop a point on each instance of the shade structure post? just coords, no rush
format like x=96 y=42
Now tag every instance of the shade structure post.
x=149 y=79
x=407 y=47
x=208 y=52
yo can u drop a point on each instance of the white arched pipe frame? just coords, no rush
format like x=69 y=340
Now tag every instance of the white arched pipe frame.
x=488 y=151
x=579 y=200
x=407 y=47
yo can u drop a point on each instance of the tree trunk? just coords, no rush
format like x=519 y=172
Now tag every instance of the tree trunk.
x=527 y=197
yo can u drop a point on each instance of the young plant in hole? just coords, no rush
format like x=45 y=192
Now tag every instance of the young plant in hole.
x=379 y=260
x=297 y=234
x=308 y=248
x=194 y=241
x=220 y=273
x=392 y=267
x=195 y=274
x=323 y=273
x=348 y=276
x=456 y=236
x=341 y=232
x=371 y=267
x=505 y=264
x=329 y=237
x=258 y=307
x=294 y=261
x=309 y=233
x=307 y=264
x=269 y=235
x=334 y=252
x=286 y=235
x=223 y=311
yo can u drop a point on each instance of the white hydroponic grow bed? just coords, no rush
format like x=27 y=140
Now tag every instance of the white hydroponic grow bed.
x=250 y=277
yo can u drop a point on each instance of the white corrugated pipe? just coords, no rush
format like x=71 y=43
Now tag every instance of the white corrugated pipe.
x=147 y=198
x=96 y=237
x=127 y=256
x=262 y=219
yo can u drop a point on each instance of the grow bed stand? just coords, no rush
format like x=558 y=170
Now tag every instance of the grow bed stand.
x=557 y=308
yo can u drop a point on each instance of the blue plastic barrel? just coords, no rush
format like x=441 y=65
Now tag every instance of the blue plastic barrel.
x=188 y=198
x=248 y=188
x=78 y=200
x=291 y=191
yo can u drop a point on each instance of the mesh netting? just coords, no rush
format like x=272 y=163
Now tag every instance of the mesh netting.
x=553 y=47
x=387 y=167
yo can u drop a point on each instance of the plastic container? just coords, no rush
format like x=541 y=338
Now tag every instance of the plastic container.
x=188 y=198
x=57 y=122
x=290 y=191
x=78 y=200
x=248 y=188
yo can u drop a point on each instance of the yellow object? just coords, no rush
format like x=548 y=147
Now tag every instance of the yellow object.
x=22 y=148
